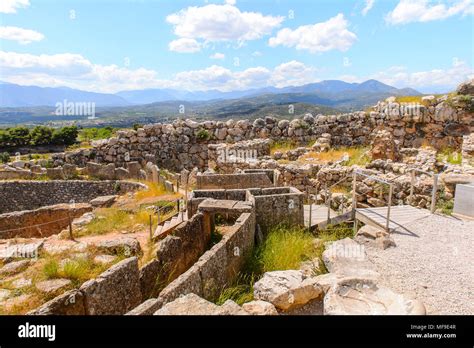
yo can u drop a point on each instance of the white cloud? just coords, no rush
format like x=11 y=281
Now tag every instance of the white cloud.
x=23 y=36
x=230 y=2
x=217 y=55
x=430 y=81
x=72 y=70
x=320 y=37
x=222 y=23
x=256 y=54
x=408 y=11
x=10 y=6
x=76 y=71
x=292 y=73
x=184 y=45
x=368 y=6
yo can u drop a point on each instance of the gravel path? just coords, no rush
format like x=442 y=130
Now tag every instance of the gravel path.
x=436 y=266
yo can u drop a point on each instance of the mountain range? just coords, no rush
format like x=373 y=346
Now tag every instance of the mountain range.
x=333 y=93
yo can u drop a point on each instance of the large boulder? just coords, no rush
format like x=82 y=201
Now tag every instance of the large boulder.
x=259 y=308
x=286 y=289
x=127 y=246
x=466 y=88
x=355 y=296
x=192 y=304
x=347 y=258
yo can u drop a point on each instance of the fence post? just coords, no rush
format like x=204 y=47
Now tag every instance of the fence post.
x=390 y=192
x=151 y=227
x=328 y=204
x=71 y=237
x=412 y=185
x=354 y=198
x=310 y=209
x=433 y=193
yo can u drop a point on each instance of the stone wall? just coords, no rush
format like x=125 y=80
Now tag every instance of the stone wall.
x=278 y=205
x=29 y=195
x=40 y=223
x=232 y=181
x=184 y=143
x=116 y=291
x=218 y=266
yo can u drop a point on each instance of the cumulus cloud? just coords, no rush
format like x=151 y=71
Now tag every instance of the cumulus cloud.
x=320 y=37
x=222 y=23
x=429 y=81
x=184 y=45
x=408 y=11
x=71 y=70
x=23 y=36
x=217 y=55
x=368 y=6
x=11 y=6
x=76 y=71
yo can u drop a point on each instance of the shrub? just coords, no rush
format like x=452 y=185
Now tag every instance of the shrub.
x=203 y=135
x=51 y=269
x=4 y=157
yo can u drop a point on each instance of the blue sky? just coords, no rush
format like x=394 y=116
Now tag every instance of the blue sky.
x=109 y=46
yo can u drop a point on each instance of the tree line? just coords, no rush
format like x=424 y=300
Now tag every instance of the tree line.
x=39 y=135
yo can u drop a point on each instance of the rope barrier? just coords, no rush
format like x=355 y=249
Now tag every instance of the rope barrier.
x=32 y=226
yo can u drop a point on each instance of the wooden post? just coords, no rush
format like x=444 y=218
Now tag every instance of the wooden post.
x=71 y=237
x=151 y=228
x=328 y=204
x=412 y=185
x=433 y=193
x=387 y=226
x=354 y=198
x=310 y=209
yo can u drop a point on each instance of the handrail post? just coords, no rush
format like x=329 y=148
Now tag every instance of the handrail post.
x=412 y=185
x=387 y=226
x=433 y=193
x=328 y=204
x=354 y=200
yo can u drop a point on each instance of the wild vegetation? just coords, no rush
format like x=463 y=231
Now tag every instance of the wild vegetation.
x=39 y=135
x=353 y=155
x=284 y=248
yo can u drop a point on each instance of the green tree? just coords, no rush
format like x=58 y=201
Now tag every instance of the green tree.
x=5 y=138
x=65 y=135
x=41 y=135
x=19 y=136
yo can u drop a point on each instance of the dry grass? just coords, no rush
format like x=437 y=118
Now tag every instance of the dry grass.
x=283 y=146
x=109 y=220
x=154 y=190
x=358 y=155
x=64 y=265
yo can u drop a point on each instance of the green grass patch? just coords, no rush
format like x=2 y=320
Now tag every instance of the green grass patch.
x=449 y=155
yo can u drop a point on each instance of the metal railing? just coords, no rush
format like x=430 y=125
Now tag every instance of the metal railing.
x=354 y=200
x=413 y=172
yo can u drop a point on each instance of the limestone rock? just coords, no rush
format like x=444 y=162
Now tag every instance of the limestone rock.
x=286 y=289
x=14 y=267
x=190 y=304
x=127 y=246
x=53 y=285
x=346 y=257
x=260 y=308
x=356 y=296
x=103 y=201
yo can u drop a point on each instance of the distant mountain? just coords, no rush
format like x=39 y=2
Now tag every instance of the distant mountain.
x=12 y=95
x=330 y=90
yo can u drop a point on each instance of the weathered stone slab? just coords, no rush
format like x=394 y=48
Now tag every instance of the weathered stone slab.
x=69 y=303
x=103 y=201
x=116 y=291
